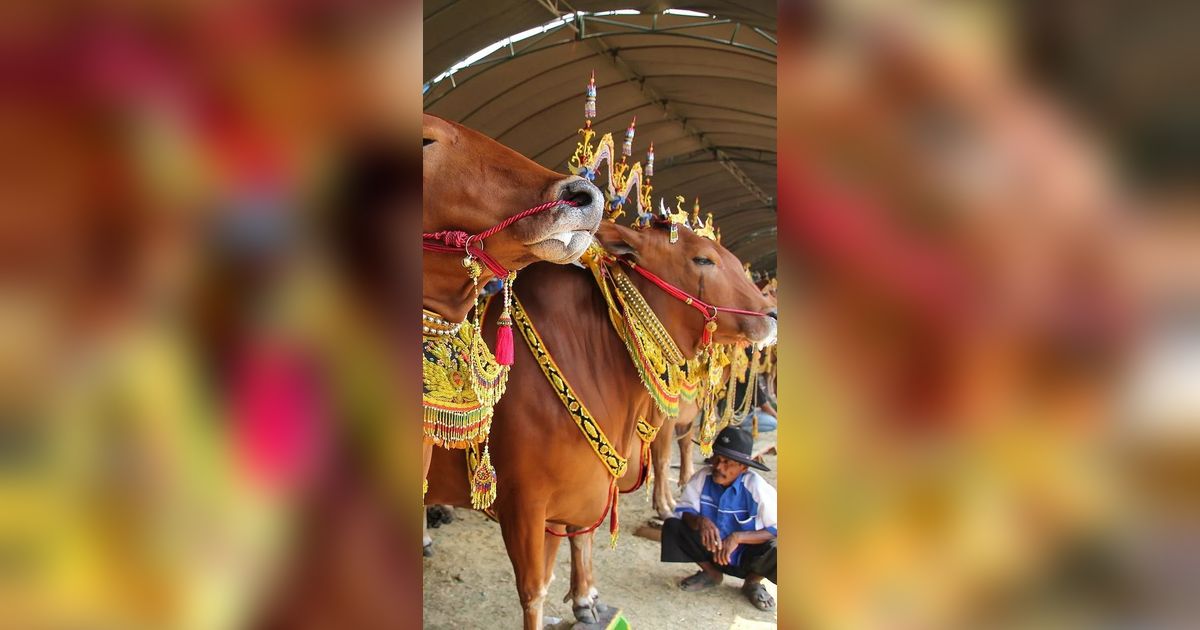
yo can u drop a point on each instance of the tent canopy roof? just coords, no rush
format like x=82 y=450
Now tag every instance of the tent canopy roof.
x=702 y=88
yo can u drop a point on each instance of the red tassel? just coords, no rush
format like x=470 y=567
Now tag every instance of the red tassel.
x=504 y=340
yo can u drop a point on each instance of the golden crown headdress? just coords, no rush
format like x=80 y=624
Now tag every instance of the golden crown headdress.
x=704 y=229
x=588 y=159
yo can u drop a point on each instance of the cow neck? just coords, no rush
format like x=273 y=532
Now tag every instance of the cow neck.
x=447 y=289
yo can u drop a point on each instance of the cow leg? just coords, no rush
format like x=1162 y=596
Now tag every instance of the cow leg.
x=584 y=598
x=523 y=528
x=660 y=458
x=551 y=546
x=426 y=460
x=686 y=470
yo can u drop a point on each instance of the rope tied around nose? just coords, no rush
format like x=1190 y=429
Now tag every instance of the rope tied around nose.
x=453 y=241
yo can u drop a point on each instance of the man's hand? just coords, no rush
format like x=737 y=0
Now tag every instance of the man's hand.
x=723 y=555
x=710 y=537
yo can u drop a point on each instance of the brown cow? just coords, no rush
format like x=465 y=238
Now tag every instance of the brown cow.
x=565 y=486
x=680 y=429
x=471 y=182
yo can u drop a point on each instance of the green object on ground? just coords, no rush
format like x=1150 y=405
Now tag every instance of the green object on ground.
x=618 y=622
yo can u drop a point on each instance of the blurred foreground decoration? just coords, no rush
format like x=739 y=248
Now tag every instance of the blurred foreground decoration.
x=167 y=390
x=975 y=288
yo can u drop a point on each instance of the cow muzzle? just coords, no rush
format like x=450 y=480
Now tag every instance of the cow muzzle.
x=761 y=331
x=564 y=233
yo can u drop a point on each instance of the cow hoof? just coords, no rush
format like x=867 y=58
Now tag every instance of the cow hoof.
x=436 y=515
x=549 y=623
x=586 y=614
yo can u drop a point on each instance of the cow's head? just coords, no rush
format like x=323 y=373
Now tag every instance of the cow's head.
x=472 y=182
x=704 y=269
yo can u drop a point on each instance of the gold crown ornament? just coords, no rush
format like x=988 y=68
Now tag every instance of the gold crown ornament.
x=706 y=229
x=588 y=160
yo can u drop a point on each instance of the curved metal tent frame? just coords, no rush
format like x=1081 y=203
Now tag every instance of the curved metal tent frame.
x=702 y=88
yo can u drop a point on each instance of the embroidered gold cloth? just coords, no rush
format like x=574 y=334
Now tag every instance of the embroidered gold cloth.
x=461 y=382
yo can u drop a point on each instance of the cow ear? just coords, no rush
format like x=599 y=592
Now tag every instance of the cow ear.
x=617 y=240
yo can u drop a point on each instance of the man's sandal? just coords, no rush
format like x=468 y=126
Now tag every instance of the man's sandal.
x=698 y=581
x=757 y=594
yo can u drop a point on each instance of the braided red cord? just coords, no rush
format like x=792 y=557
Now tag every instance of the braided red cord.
x=488 y=261
x=521 y=215
x=452 y=241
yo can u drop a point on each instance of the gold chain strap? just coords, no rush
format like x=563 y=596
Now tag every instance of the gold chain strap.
x=655 y=354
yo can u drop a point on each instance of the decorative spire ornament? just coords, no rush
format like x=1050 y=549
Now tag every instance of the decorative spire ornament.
x=589 y=105
x=590 y=160
x=650 y=161
x=627 y=146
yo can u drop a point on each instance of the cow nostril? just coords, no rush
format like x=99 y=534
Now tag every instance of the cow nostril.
x=773 y=314
x=580 y=198
x=578 y=193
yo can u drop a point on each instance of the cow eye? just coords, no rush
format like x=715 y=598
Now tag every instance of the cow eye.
x=701 y=260
x=426 y=142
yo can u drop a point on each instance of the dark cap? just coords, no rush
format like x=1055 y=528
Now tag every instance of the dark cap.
x=736 y=444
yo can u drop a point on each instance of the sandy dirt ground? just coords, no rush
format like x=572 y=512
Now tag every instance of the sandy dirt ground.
x=469 y=580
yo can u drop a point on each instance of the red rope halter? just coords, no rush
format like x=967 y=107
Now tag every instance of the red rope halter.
x=452 y=241
x=709 y=311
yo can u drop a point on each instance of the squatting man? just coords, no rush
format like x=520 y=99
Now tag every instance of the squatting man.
x=726 y=522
